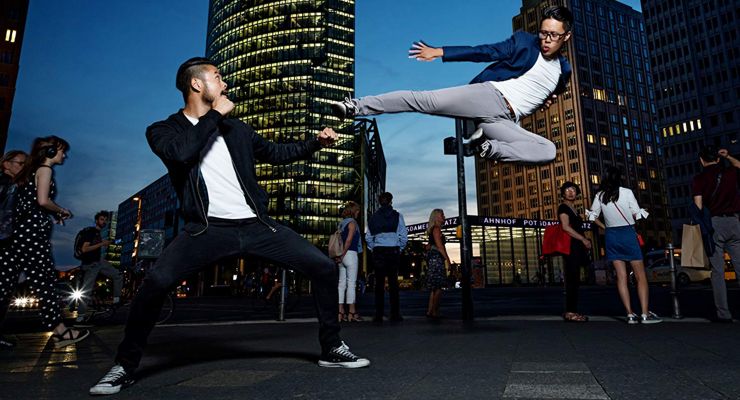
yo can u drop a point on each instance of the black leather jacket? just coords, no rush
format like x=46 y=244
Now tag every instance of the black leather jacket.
x=179 y=144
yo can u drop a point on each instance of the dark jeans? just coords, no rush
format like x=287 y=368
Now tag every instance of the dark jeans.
x=573 y=263
x=188 y=254
x=385 y=262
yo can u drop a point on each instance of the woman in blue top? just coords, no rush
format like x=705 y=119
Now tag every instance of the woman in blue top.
x=348 y=262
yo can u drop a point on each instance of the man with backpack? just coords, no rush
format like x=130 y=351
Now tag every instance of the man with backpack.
x=88 y=249
x=716 y=188
x=12 y=163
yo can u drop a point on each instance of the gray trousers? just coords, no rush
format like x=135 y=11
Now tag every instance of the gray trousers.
x=727 y=238
x=481 y=102
x=91 y=273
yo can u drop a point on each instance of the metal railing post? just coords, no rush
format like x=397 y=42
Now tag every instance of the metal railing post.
x=283 y=288
x=674 y=287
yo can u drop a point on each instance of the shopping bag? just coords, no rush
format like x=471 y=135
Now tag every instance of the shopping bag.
x=555 y=241
x=692 y=247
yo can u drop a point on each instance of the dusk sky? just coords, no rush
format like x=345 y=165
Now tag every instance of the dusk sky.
x=98 y=73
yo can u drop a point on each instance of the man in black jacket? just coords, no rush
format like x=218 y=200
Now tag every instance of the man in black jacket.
x=210 y=160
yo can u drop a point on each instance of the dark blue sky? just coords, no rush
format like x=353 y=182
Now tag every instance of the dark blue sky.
x=97 y=73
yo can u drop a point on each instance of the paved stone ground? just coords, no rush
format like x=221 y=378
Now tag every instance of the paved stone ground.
x=501 y=355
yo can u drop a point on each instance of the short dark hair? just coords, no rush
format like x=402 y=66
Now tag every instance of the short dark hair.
x=385 y=199
x=102 y=213
x=11 y=155
x=559 y=13
x=709 y=153
x=189 y=69
x=567 y=185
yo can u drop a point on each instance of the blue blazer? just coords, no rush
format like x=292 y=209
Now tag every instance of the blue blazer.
x=511 y=59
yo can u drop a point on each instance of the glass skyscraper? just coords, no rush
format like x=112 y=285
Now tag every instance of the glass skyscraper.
x=695 y=54
x=285 y=62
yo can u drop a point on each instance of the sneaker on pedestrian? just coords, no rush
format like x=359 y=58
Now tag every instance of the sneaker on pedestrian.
x=341 y=357
x=115 y=380
x=6 y=343
x=632 y=319
x=344 y=109
x=650 y=318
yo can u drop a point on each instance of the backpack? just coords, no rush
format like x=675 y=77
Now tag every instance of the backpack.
x=336 y=244
x=79 y=241
x=7 y=209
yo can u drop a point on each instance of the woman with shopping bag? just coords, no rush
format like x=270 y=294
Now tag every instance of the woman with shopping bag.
x=572 y=224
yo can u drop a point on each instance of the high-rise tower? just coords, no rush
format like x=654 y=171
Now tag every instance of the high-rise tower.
x=606 y=117
x=285 y=62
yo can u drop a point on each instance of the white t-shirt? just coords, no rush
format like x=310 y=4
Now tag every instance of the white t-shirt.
x=225 y=196
x=627 y=205
x=527 y=93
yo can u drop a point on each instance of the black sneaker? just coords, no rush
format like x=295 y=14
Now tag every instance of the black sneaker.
x=341 y=357
x=475 y=135
x=344 y=109
x=6 y=343
x=115 y=380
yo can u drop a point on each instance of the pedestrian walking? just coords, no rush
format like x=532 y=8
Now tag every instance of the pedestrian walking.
x=31 y=242
x=348 y=262
x=580 y=245
x=527 y=73
x=211 y=160
x=12 y=163
x=620 y=210
x=386 y=238
x=436 y=259
x=90 y=255
x=716 y=189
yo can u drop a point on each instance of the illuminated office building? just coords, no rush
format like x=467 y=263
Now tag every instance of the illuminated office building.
x=695 y=55
x=285 y=62
x=12 y=28
x=606 y=117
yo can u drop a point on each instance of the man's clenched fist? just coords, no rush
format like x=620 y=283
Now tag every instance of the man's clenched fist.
x=327 y=137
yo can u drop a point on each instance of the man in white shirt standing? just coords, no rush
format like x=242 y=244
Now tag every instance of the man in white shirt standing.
x=526 y=74
x=210 y=160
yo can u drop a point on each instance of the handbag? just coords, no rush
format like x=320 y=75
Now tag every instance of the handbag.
x=555 y=241
x=640 y=240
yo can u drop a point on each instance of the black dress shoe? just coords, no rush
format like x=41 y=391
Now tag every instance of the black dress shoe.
x=396 y=318
x=722 y=320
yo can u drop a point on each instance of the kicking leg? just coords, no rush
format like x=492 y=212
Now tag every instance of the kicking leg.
x=509 y=142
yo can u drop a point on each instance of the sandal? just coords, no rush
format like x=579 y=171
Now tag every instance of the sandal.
x=574 y=317
x=342 y=317
x=355 y=317
x=67 y=337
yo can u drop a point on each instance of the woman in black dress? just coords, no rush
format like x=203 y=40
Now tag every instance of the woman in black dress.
x=436 y=257
x=31 y=245
x=572 y=224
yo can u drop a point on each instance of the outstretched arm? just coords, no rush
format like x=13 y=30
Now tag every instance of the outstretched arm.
x=421 y=52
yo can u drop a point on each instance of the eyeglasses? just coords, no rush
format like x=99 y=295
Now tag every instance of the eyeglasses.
x=552 y=35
